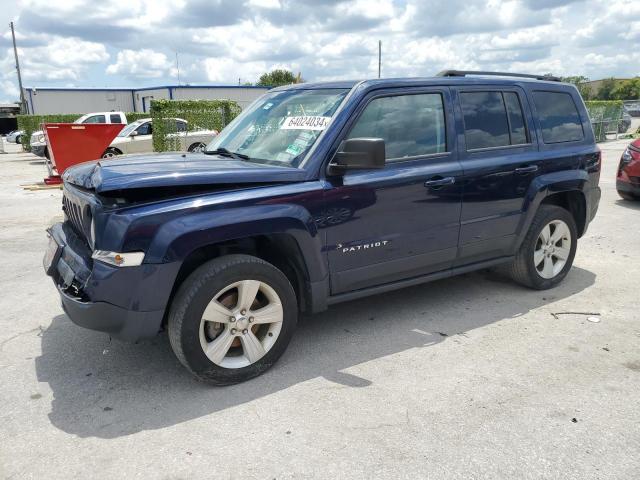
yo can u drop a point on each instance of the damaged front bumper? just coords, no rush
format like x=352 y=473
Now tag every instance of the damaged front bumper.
x=128 y=303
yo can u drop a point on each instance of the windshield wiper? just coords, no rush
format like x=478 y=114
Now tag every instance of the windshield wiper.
x=226 y=153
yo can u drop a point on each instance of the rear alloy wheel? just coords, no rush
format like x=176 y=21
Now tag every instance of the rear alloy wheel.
x=232 y=318
x=547 y=251
x=197 y=147
x=552 y=249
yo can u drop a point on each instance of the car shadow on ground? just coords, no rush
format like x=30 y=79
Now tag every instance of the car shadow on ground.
x=631 y=204
x=108 y=389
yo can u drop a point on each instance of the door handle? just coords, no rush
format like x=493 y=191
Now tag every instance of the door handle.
x=439 y=182
x=525 y=170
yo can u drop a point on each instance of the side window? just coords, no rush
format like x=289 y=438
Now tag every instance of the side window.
x=145 y=129
x=115 y=118
x=516 y=119
x=559 y=117
x=485 y=120
x=95 y=119
x=181 y=126
x=411 y=125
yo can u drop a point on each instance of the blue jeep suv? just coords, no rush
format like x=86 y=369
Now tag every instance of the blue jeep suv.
x=321 y=193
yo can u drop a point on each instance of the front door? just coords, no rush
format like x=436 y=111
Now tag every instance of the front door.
x=402 y=221
x=143 y=141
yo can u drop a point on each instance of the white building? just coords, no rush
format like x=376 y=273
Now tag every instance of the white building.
x=43 y=101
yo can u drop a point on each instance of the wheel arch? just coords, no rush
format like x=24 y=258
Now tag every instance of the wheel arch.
x=566 y=189
x=279 y=249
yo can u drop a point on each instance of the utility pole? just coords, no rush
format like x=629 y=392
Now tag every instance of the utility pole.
x=379 y=57
x=178 y=67
x=23 y=106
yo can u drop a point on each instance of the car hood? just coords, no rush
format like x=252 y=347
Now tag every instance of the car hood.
x=174 y=170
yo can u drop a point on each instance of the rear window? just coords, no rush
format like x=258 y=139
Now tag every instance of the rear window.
x=95 y=119
x=115 y=118
x=559 y=118
x=493 y=119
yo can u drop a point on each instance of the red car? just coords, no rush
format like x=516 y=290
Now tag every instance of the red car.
x=628 y=179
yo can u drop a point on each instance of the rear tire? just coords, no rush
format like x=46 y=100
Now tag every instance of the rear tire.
x=232 y=318
x=627 y=196
x=547 y=251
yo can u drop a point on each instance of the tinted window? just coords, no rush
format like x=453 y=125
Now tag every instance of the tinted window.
x=181 y=126
x=485 y=120
x=516 y=118
x=115 y=118
x=411 y=125
x=559 y=117
x=145 y=129
x=95 y=119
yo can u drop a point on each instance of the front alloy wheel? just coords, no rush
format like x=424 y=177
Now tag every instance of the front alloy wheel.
x=241 y=324
x=232 y=318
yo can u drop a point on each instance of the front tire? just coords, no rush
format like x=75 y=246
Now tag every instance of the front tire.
x=111 y=152
x=547 y=251
x=232 y=319
x=197 y=147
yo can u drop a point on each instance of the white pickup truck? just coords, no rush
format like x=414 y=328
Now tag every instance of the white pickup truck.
x=39 y=145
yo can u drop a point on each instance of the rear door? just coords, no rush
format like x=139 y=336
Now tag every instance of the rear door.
x=402 y=221
x=500 y=158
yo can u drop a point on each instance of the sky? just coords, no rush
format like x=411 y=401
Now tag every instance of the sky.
x=129 y=43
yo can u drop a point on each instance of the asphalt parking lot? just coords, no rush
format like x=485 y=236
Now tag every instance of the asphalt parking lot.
x=470 y=377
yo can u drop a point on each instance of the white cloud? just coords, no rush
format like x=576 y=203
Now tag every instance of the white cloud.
x=119 y=42
x=143 y=63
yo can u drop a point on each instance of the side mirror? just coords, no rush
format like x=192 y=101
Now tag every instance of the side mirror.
x=358 y=154
x=134 y=133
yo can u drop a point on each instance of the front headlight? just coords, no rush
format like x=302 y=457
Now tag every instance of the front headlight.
x=129 y=259
x=626 y=156
x=40 y=138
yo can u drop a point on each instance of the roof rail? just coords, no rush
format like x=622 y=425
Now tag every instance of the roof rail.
x=464 y=73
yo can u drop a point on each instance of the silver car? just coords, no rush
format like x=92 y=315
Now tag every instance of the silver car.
x=137 y=137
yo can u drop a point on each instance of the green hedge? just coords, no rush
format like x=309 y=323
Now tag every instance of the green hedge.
x=605 y=116
x=200 y=114
x=31 y=123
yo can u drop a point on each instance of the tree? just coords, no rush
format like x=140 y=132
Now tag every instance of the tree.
x=606 y=88
x=279 y=77
x=627 y=90
x=581 y=84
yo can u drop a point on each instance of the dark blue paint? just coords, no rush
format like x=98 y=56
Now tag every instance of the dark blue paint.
x=423 y=232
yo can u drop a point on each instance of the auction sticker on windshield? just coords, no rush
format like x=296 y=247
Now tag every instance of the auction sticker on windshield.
x=305 y=123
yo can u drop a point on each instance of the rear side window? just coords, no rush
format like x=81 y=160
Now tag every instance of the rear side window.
x=559 y=117
x=492 y=119
x=411 y=125
x=516 y=118
x=115 y=118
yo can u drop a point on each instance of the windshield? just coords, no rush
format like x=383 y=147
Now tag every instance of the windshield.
x=129 y=128
x=280 y=127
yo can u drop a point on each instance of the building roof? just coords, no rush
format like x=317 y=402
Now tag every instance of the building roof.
x=159 y=87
